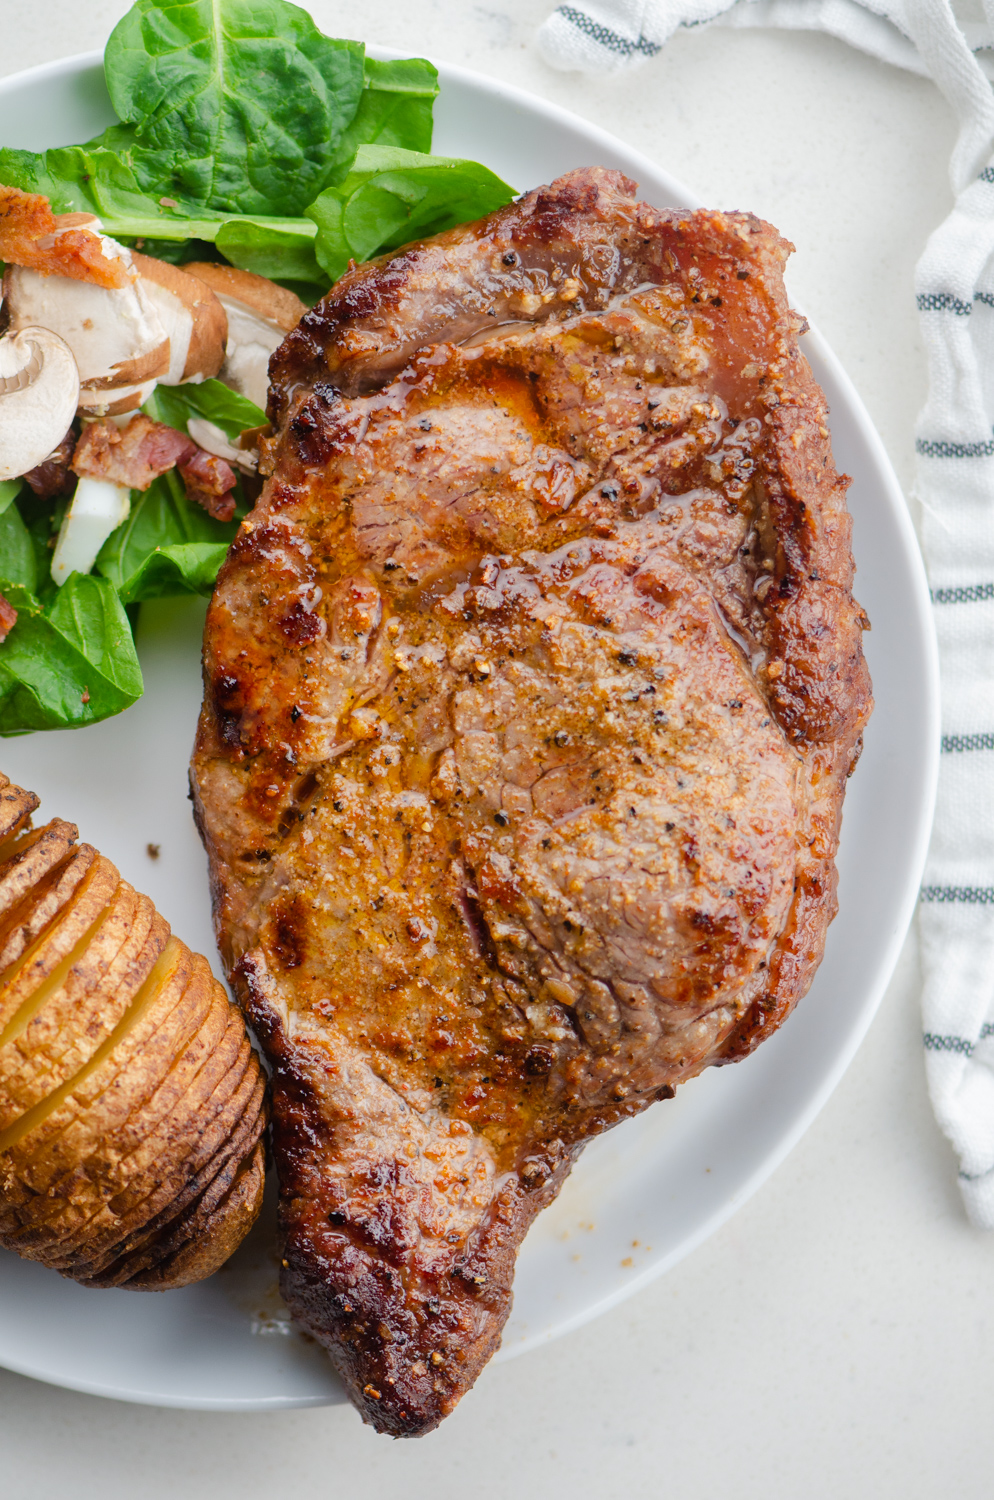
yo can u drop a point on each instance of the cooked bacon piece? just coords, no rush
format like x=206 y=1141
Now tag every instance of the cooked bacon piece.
x=54 y=476
x=8 y=618
x=134 y=455
x=131 y=456
x=56 y=244
x=210 y=482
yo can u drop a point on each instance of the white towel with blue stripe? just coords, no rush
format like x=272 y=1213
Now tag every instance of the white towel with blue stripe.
x=955 y=445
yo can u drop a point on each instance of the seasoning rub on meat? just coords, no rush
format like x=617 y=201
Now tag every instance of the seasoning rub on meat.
x=532 y=683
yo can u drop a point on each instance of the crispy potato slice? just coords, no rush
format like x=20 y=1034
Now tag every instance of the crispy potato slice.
x=230 y=1135
x=72 y=926
x=193 y=1031
x=30 y=856
x=166 y=1013
x=50 y=1199
x=218 y=1238
x=16 y=807
x=204 y=1235
x=182 y=1238
x=85 y=1125
x=28 y=918
x=60 y=1209
x=189 y=1212
x=76 y=1208
x=80 y=1005
x=81 y=963
x=35 y=1146
x=93 y=1255
x=131 y=1101
x=134 y=1212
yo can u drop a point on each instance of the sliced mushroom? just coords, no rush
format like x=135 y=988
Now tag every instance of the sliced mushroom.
x=115 y=333
x=97 y=508
x=192 y=316
x=39 y=389
x=162 y=326
x=260 y=315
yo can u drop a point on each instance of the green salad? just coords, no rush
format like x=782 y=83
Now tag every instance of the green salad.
x=247 y=137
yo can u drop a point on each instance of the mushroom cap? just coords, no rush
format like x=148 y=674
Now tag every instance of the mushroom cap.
x=194 y=319
x=39 y=391
x=273 y=303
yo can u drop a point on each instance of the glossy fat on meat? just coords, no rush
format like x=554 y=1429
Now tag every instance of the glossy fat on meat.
x=532 y=683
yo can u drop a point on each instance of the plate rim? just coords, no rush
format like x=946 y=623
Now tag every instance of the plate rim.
x=889 y=949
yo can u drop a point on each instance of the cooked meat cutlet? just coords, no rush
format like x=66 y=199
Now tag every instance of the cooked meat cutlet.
x=532 y=684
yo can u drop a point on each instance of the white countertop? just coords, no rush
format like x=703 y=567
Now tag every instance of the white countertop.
x=835 y=1340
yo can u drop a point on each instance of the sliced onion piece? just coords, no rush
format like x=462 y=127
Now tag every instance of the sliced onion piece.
x=98 y=508
x=212 y=439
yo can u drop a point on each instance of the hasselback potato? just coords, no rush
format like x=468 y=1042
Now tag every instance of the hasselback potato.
x=132 y=1105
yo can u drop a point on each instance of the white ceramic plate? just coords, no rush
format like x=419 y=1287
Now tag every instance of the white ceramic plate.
x=647 y=1193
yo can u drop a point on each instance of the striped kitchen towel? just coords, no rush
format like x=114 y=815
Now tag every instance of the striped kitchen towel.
x=955 y=445
x=605 y=36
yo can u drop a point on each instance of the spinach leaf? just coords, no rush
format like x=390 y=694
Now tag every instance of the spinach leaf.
x=176 y=404
x=239 y=105
x=392 y=196
x=17 y=550
x=235 y=114
x=282 y=251
x=9 y=491
x=92 y=179
x=189 y=544
x=69 y=663
x=395 y=108
x=42 y=518
x=184 y=568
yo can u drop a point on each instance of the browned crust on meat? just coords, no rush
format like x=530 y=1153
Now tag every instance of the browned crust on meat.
x=440 y=1330
x=407 y=1335
x=401 y=1217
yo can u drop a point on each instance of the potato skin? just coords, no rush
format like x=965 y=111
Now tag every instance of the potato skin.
x=132 y=1104
x=213 y=1241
